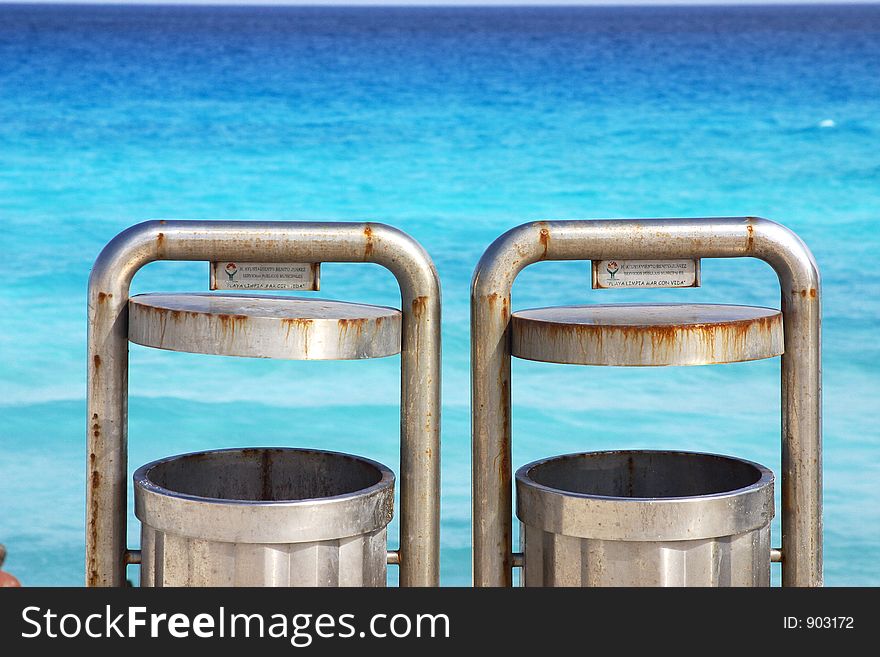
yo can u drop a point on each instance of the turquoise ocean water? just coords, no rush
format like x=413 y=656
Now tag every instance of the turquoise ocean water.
x=454 y=125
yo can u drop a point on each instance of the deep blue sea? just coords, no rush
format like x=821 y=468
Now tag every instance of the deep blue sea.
x=454 y=125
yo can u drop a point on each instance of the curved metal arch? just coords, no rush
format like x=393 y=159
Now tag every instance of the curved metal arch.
x=728 y=237
x=108 y=295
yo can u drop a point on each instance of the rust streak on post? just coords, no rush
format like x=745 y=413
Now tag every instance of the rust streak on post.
x=419 y=305
x=368 y=247
x=545 y=242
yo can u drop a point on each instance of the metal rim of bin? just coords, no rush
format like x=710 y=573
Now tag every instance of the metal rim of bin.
x=559 y=510
x=306 y=242
x=205 y=517
x=726 y=237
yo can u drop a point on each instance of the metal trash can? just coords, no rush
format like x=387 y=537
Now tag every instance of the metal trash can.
x=264 y=517
x=645 y=518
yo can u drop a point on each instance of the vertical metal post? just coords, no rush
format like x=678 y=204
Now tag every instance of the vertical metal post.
x=107 y=468
x=650 y=238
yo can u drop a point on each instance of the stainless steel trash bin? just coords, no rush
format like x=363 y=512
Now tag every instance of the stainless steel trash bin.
x=263 y=517
x=645 y=518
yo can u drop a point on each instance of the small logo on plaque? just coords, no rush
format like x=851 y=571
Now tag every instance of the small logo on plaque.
x=612 y=274
x=265 y=276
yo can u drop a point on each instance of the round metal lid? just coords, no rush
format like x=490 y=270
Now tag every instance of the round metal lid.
x=262 y=326
x=646 y=334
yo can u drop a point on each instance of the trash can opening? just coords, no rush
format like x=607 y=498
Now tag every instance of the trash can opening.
x=265 y=474
x=645 y=474
x=645 y=518
x=264 y=517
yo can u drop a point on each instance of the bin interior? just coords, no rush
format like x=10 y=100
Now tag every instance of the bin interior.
x=264 y=474
x=645 y=474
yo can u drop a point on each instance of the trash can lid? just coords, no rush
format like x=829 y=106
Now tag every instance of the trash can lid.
x=263 y=326
x=647 y=334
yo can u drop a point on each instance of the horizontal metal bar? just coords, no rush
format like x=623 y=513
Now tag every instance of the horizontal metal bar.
x=393 y=557
x=131 y=557
x=776 y=555
x=517 y=559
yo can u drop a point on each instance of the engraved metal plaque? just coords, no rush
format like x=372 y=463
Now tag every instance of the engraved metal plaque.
x=227 y=275
x=611 y=274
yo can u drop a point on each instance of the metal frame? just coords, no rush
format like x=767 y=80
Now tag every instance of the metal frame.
x=732 y=237
x=107 y=469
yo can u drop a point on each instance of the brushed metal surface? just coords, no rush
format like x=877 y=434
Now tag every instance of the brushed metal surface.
x=264 y=326
x=264 y=517
x=646 y=334
x=557 y=560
